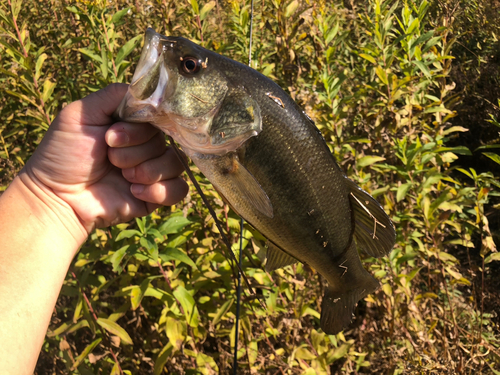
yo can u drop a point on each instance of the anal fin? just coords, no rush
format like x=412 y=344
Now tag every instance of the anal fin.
x=277 y=258
x=373 y=231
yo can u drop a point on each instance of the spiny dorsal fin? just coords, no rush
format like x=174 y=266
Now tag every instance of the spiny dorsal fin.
x=277 y=258
x=373 y=231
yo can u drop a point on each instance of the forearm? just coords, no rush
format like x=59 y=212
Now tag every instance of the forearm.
x=39 y=236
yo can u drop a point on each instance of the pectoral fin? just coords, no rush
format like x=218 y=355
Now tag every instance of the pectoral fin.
x=247 y=186
x=277 y=258
x=374 y=231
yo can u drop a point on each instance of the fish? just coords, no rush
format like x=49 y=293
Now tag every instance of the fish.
x=268 y=160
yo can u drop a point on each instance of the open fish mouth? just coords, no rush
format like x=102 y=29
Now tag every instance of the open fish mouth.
x=150 y=83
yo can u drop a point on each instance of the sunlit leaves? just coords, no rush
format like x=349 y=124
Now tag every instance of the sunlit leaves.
x=188 y=305
x=115 y=329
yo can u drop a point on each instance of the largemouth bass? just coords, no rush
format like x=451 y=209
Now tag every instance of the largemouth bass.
x=265 y=156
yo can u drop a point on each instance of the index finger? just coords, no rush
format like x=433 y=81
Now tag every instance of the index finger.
x=125 y=134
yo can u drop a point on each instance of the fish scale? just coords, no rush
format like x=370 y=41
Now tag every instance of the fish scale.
x=268 y=160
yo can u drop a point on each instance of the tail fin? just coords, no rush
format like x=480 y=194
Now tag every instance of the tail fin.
x=341 y=299
x=374 y=231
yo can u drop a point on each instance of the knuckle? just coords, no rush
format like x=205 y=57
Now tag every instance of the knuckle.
x=146 y=173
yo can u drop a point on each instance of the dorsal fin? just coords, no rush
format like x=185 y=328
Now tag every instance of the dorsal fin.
x=277 y=258
x=373 y=231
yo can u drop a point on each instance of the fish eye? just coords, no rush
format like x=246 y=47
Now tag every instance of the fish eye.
x=190 y=65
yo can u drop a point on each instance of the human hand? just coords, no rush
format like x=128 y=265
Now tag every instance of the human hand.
x=81 y=157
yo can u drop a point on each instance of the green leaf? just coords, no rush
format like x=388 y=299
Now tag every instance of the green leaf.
x=119 y=15
x=176 y=331
x=48 y=89
x=467 y=173
x=369 y=58
x=414 y=25
x=291 y=8
x=137 y=293
x=222 y=311
x=127 y=49
x=188 y=304
x=104 y=64
x=402 y=191
x=492 y=156
x=461 y=150
x=162 y=359
x=115 y=329
x=85 y=353
x=91 y=54
x=6 y=19
x=141 y=223
x=151 y=246
x=72 y=41
x=421 y=39
x=423 y=68
x=195 y=7
x=115 y=370
x=369 y=160
x=73 y=9
x=171 y=253
x=127 y=234
x=382 y=75
x=332 y=33
x=454 y=129
x=16 y=7
x=486 y=147
x=206 y=9
x=38 y=66
x=431 y=43
x=303 y=353
x=339 y=353
x=59 y=330
x=75 y=327
x=117 y=258
x=174 y=225
x=253 y=352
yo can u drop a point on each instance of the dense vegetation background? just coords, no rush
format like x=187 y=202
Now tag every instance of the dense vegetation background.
x=406 y=95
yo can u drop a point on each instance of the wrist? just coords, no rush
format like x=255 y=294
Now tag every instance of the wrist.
x=39 y=237
x=51 y=211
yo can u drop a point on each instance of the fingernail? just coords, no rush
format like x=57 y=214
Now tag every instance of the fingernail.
x=116 y=139
x=137 y=189
x=129 y=173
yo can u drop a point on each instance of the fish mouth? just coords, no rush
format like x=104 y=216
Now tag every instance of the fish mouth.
x=150 y=84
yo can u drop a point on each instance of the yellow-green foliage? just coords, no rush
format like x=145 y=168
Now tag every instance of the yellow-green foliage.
x=158 y=296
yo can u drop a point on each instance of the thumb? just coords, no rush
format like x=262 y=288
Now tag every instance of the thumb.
x=97 y=108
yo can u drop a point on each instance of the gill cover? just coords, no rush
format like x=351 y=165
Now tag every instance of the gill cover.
x=179 y=87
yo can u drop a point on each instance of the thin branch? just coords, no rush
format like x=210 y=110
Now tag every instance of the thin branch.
x=94 y=316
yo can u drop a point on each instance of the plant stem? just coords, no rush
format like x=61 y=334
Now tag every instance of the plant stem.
x=94 y=316
x=41 y=108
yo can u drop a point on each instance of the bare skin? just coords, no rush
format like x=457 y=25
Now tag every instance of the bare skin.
x=88 y=172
